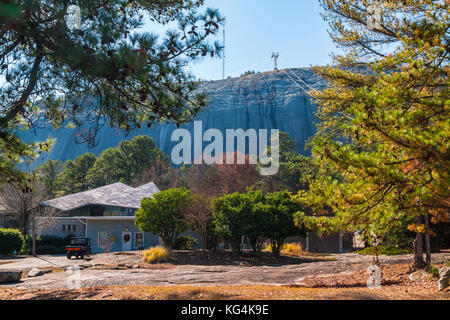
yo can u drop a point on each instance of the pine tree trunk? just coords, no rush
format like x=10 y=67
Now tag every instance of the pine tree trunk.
x=376 y=258
x=419 y=263
x=418 y=252
x=236 y=246
x=204 y=239
x=24 y=225
x=427 y=241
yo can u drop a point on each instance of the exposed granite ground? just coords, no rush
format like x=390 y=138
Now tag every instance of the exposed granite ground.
x=210 y=275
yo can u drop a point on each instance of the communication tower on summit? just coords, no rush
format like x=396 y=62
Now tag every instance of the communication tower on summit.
x=275 y=56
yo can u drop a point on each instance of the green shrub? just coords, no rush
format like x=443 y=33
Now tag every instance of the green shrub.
x=185 y=243
x=11 y=240
x=26 y=248
x=384 y=251
x=163 y=214
x=257 y=216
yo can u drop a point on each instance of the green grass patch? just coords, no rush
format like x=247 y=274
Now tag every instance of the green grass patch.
x=434 y=272
x=384 y=251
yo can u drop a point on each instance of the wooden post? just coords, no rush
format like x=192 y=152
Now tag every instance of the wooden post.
x=341 y=242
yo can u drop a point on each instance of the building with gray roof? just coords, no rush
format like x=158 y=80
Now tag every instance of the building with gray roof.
x=105 y=215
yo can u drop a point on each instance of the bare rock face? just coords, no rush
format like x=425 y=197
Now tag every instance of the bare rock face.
x=268 y=100
x=10 y=276
x=444 y=279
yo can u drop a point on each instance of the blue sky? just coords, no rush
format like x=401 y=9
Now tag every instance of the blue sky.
x=256 y=28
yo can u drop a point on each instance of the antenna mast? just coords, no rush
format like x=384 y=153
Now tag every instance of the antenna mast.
x=275 y=56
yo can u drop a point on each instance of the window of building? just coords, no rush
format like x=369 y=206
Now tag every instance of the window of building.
x=126 y=212
x=138 y=240
x=74 y=228
x=102 y=239
x=68 y=227
x=63 y=227
x=97 y=211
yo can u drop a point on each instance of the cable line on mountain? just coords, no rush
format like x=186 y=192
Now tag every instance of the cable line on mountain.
x=310 y=87
x=295 y=82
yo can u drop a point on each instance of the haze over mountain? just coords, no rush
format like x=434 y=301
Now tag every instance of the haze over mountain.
x=269 y=100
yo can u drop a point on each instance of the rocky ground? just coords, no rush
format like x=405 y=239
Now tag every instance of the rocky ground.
x=396 y=285
x=205 y=271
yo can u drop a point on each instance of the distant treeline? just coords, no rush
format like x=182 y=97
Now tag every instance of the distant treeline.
x=139 y=161
x=125 y=163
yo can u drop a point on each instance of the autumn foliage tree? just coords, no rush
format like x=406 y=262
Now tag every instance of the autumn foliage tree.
x=208 y=182
x=198 y=215
x=384 y=118
x=220 y=179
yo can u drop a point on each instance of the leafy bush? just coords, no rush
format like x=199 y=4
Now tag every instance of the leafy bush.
x=384 y=251
x=232 y=217
x=162 y=214
x=289 y=249
x=26 y=247
x=257 y=216
x=280 y=209
x=156 y=255
x=11 y=240
x=185 y=243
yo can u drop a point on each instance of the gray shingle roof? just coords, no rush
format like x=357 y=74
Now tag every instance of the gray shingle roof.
x=117 y=194
x=132 y=198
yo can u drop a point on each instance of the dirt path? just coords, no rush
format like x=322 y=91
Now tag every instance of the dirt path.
x=214 y=275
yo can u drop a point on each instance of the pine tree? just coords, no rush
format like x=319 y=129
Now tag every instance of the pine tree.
x=105 y=71
x=48 y=174
x=384 y=118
